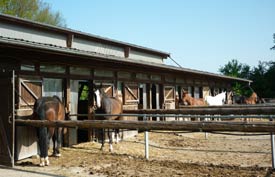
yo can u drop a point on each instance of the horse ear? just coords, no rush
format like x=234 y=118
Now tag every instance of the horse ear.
x=94 y=87
x=102 y=90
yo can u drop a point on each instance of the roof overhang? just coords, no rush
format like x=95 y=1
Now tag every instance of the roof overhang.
x=11 y=42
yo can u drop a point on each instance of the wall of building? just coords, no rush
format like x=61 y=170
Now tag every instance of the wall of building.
x=136 y=55
x=31 y=34
x=98 y=47
x=27 y=33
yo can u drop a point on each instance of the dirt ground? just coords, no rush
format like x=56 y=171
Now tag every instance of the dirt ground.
x=171 y=154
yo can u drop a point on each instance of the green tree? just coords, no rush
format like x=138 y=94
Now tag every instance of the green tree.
x=273 y=48
x=262 y=76
x=235 y=69
x=263 y=79
x=270 y=74
x=35 y=10
x=259 y=79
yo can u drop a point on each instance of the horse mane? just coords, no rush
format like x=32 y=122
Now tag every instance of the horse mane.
x=57 y=97
x=217 y=100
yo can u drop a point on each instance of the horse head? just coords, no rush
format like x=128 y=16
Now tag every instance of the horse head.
x=255 y=97
x=223 y=96
x=229 y=97
x=185 y=97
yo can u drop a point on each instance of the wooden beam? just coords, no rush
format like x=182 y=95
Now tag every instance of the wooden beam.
x=127 y=52
x=154 y=125
x=69 y=40
x=225 y=110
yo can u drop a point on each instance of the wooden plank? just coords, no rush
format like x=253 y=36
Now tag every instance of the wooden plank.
x=155 y=125
x=227 y=110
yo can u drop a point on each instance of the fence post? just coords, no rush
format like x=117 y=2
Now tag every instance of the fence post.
x=272 y=147
x=146 y=139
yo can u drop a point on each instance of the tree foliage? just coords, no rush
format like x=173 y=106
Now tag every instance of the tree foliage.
x=263 y=79
x=35 y=10
x=235 y=69
x=274 y=42
x=261 y=75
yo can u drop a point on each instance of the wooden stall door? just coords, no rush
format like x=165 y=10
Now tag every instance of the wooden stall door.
x=130 y=96
x=169 y=97
x=29 y=89
x=130 y=92
x=108 y=89
x=6 y=119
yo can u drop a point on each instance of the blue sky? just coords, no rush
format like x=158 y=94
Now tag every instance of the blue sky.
x=199 y=34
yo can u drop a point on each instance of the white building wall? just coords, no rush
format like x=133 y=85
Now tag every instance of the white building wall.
x=29 y=34
x=97 y=47
x=135 y=55
x=59 y=39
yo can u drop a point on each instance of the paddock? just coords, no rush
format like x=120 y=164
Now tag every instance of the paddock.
x=264 y=115
x=180 y=153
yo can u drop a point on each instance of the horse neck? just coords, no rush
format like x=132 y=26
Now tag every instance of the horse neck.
x=254 y=95
x=189 y=99
x=252 y=99
x=221 y=96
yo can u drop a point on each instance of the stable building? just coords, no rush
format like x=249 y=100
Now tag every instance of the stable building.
x=43 y=60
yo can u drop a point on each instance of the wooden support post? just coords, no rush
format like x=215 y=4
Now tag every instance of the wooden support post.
x=67 y=90
x=91 y=131
x=272 y=148
x=146 y=139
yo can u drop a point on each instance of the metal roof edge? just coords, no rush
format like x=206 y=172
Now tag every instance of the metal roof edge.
x=207 y=73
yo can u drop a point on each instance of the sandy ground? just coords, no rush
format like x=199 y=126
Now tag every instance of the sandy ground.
x=171 y=154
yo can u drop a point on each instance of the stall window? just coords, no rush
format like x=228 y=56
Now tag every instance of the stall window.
x=52 y=68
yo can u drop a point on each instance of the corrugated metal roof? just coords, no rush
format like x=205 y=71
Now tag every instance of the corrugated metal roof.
x=79 y=33
x=24 y=43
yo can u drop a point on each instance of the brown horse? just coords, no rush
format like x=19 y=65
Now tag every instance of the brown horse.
x=192 y=101
x=51 y=109
x=253 y=99
x=108 y=105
